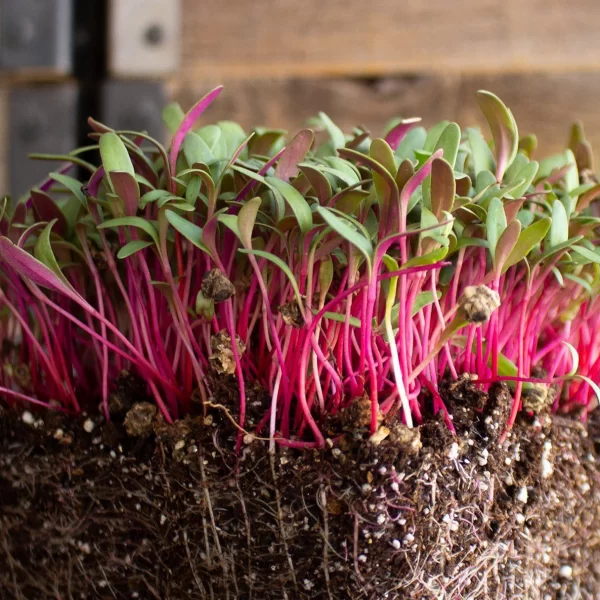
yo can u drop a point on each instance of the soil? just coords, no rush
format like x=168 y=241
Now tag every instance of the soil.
x=136 y=508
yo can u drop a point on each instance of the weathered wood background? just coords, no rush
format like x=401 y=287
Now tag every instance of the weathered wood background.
x=545 y=104
x=364 y=62
x=282 y=61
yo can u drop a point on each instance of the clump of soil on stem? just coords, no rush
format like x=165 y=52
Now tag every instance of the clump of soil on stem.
x=88 y=511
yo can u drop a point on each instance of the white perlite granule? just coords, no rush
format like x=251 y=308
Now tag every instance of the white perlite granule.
x=566 y=571
x=547 y=468
x=453 y=453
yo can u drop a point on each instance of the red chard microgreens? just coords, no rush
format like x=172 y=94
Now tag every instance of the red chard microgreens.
x=325 y=269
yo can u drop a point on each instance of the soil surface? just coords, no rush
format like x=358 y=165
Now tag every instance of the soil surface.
x=139 y=509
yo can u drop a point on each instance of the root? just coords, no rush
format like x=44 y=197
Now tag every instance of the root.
x=280 y=520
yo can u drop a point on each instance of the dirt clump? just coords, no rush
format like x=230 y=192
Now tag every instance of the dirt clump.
x=138 y=421
x=216 y=286
x=222 y=358
x=290 y=311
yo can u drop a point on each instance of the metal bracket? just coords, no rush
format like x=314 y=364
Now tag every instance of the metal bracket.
x=134 y=105
x=42 y=119
x=144 y=37
x=36 y=34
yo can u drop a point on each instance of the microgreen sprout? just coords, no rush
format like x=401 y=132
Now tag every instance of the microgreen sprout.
x=327 y=270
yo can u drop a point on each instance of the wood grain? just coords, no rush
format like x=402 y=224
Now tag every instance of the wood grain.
x=543 y=104
x=268 y=38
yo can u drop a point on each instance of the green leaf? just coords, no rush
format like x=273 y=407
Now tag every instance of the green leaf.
x=192 y=191
x=580 y=281
x=381 y=152
x=215 y=141
x=232 y=135
x=484 y=180
x=552 y=250
x=412 y=141
x=190 y=231
x=504 y=130
x=481 y=155
x=114 y=155
x=558 y=276
x=348 y=201
x=137 y=222
x=326 y=273
x=153 y=196
x=430 y=258
x=133 y=247
x=278 y=262
x=519 y=163
x=528 y=144
x=525 y=217
x=72 y=184
x=345 y=166
x=390 y=285
x=196 y=150
x=465 y=242
x=449 y=141
x=335 y=133
x=246 y=220
x=422 y=300
x=572 y=176
x=528 y=240
x=342 y=226
x=43 y=252
x=172 y=117
x=433 y=135
x=343 y=176
x=527 y=174
x=589 y=255
x=559 y=230
x=295 y=200
x=333 y=316
x=495 y=223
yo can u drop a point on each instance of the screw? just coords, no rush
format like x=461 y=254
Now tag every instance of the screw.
x=153 y=35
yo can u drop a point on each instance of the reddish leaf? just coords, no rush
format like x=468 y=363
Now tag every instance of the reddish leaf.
x=126 y=187
x=294 y=153
x=588 y=197
x=443 y=187
x=47 y=210
x=504 y=130
x=188 y=122
x=32 y=269
x=506 y=242
x=319 y=183
x=397 y=134
x=512 y=208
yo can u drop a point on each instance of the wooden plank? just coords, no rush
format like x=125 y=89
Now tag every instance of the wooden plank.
x=544 y=104
x=246 y=39
x=144 y=37
x=3 y=139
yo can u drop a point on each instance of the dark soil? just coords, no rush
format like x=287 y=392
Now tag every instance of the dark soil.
x=90 y=511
